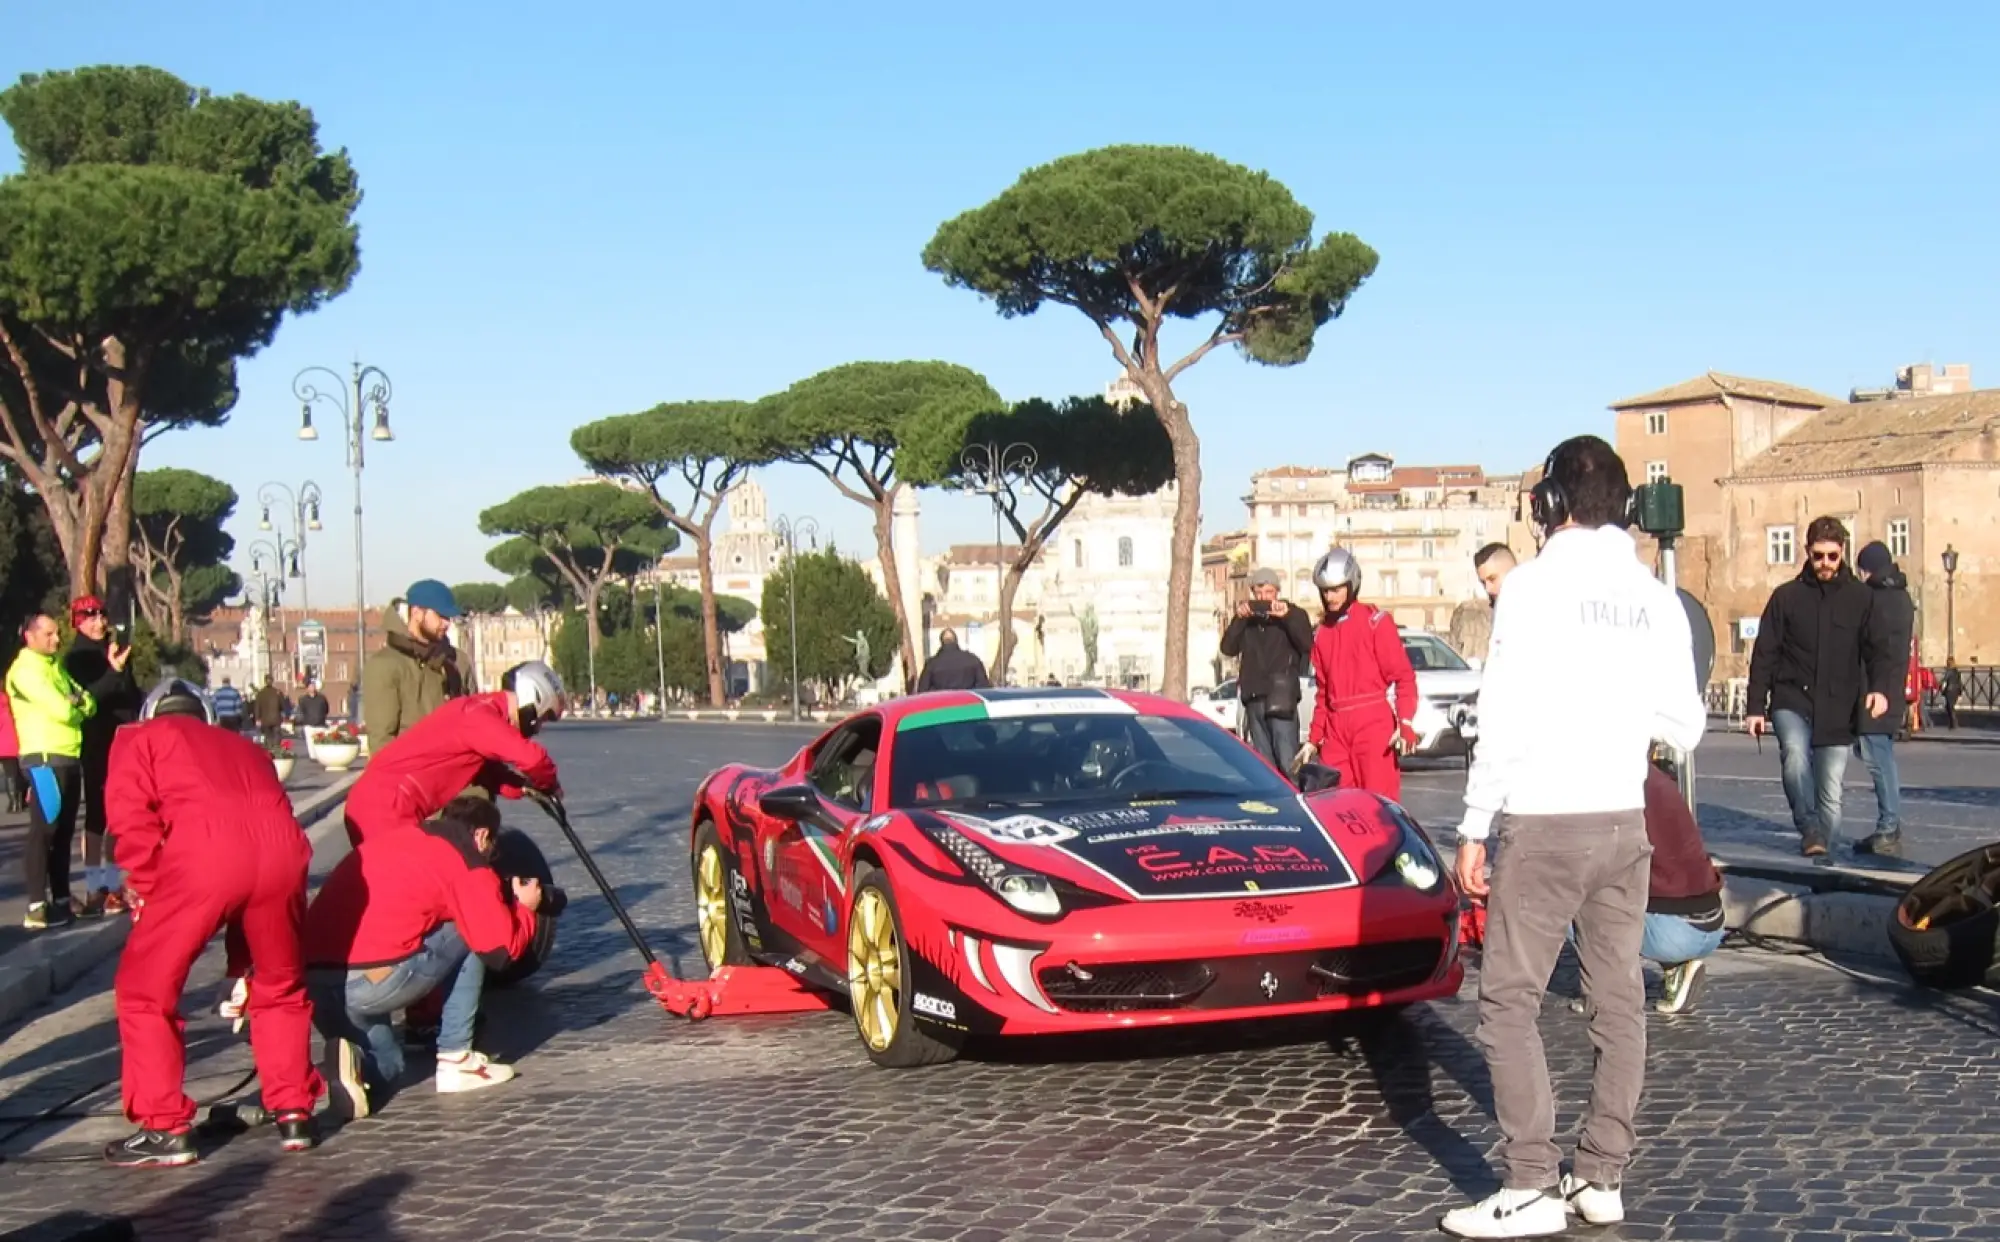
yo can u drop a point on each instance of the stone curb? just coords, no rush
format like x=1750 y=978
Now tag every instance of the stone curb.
x=812 y=719
x=51 y=964
x=1830 y=909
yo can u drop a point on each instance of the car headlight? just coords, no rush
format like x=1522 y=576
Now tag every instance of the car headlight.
x=1415 y=863
x=1032 y=894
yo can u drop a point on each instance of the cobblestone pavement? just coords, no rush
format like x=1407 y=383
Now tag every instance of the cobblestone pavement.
x=1804 y=1101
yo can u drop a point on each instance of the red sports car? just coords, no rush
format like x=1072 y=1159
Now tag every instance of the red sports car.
x=1041 y=861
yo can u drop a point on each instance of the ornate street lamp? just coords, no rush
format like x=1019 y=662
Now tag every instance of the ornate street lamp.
x=368 y=389
x=304 y=507
x=1950 y=559
x=993 y=471
x=790 y=530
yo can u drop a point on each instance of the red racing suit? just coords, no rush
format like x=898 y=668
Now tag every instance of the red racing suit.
x=1357 y=656
x=202 y=826
x=462 y=743
x=388 y=894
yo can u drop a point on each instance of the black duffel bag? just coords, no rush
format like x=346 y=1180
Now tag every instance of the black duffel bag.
x=1945 y=928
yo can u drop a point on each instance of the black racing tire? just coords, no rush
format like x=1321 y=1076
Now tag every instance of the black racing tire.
x=716 y=903
x=912 y=1044
x=1945 y=928
x=515 y=854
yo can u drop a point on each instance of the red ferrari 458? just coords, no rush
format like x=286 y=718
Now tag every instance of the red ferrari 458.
x=1042 y=861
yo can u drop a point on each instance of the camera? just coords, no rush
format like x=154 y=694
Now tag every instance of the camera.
x=1260 y=607
x=1657 y=508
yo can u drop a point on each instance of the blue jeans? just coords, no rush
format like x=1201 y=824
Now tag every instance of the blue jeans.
x=1670 y=939
x=1878 y=750
x=1274 y=737
x=349 y=1005
x=1812 y=775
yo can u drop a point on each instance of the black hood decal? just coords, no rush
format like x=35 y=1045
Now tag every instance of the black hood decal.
x=1181 y=850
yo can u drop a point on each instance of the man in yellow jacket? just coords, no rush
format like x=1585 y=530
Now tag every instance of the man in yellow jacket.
x=49 y=711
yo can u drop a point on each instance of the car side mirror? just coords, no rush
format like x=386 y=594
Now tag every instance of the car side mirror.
x=790 y=802
x=1314 y=777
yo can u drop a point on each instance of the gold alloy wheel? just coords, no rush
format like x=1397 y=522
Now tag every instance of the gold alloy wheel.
x=874 y=969
x=711 y=904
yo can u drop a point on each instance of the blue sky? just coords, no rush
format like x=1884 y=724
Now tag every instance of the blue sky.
x=579 y=211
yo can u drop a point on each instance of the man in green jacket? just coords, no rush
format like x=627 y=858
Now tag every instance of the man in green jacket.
x=49 y=711
x=416 y=670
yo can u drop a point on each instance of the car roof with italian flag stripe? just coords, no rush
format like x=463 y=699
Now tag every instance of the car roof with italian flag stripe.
x=949 y=707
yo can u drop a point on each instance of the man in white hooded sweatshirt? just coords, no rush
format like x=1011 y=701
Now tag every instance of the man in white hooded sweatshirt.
x=1590 y=662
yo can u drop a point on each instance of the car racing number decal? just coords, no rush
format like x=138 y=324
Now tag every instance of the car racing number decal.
x=1017 y=829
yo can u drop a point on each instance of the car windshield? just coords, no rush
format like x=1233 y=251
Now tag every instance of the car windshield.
x=1072 y=758
x=1430 y=653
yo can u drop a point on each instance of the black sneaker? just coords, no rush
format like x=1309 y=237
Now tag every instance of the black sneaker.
x=1885 y=844
x=297 y=1131
x=346 y=1087
x=1681 y=988
x=153 y=1149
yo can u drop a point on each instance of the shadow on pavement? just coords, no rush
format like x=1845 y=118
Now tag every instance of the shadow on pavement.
x=358 y=1211
x=1400 y=1054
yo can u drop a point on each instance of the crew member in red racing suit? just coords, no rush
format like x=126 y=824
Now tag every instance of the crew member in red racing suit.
x=465 y=742
x=204 y=829
x=1357 y=656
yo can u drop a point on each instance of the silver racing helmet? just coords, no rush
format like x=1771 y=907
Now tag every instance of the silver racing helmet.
x=538 y=693
x=175 y=696
x=1338 y=568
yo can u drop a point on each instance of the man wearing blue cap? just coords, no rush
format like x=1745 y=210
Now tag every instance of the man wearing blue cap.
x=417 y=669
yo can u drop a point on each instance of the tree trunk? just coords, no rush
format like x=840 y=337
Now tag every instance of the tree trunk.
x=100 y=545
x=120 y=585
x=590 y=630
x=1187 y=527
x=892 y=581
x=711 y=628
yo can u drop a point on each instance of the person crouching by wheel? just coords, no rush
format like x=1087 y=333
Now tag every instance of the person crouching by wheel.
x=1358 y=655
x=400 y=915
x=205 y=831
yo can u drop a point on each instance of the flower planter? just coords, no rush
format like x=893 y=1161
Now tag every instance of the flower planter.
x=731 y=714
x=769 y=717
x=284 y=767
x=338 y=756
x=694 y=715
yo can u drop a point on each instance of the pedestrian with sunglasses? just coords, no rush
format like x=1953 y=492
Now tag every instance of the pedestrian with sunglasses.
x=96 y=660
x=1820 y=650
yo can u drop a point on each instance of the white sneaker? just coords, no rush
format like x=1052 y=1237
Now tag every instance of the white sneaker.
x=1681 y=986
x=1598 y=1205
x=1509 y=1214
x=469 y=1071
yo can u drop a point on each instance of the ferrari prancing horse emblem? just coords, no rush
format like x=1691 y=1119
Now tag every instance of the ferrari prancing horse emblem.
x=1269 y=985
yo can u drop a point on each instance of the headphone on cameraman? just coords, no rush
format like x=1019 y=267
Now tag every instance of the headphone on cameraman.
x=1548 y=504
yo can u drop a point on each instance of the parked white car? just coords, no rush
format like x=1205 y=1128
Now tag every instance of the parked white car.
x=1447 y=716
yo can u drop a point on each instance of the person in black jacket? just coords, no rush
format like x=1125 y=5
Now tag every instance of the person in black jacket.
x=952 y=668
x=96 y=661
x=1272 y=638
x=1817 y=655
x=313 y=707
x=1893 y=617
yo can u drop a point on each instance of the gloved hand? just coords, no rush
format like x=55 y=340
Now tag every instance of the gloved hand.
x=1307 y=754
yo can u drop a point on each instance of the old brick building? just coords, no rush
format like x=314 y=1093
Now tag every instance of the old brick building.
x=1916 y=467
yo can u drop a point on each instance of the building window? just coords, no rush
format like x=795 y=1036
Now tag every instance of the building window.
x=1391 y=588
x=1899 y=537
x=1299 y=509
x=1655 y=471
x=1427 y=585
x=1429 y=550
x=1077 y=545
x=1125 y=552
x=1656 y=422
x=1780 y=545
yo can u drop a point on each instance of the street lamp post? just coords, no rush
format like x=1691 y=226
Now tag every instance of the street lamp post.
x=1950 y=559
x=994 y=471
x=304 y=506
x=370 y=389
x=660 y=640
x=271 y=562
x=789 y=530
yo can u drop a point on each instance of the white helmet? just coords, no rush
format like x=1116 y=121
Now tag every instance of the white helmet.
x=176 y=697
x=1338 y=568
x=537 y=691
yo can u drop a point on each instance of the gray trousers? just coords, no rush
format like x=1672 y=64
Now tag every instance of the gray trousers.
x=1551 y=871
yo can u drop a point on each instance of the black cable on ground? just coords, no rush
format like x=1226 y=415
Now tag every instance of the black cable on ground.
x=60 y=1112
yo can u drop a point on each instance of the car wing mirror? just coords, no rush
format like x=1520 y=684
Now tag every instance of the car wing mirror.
x=1314 y=777
x=793 y=803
